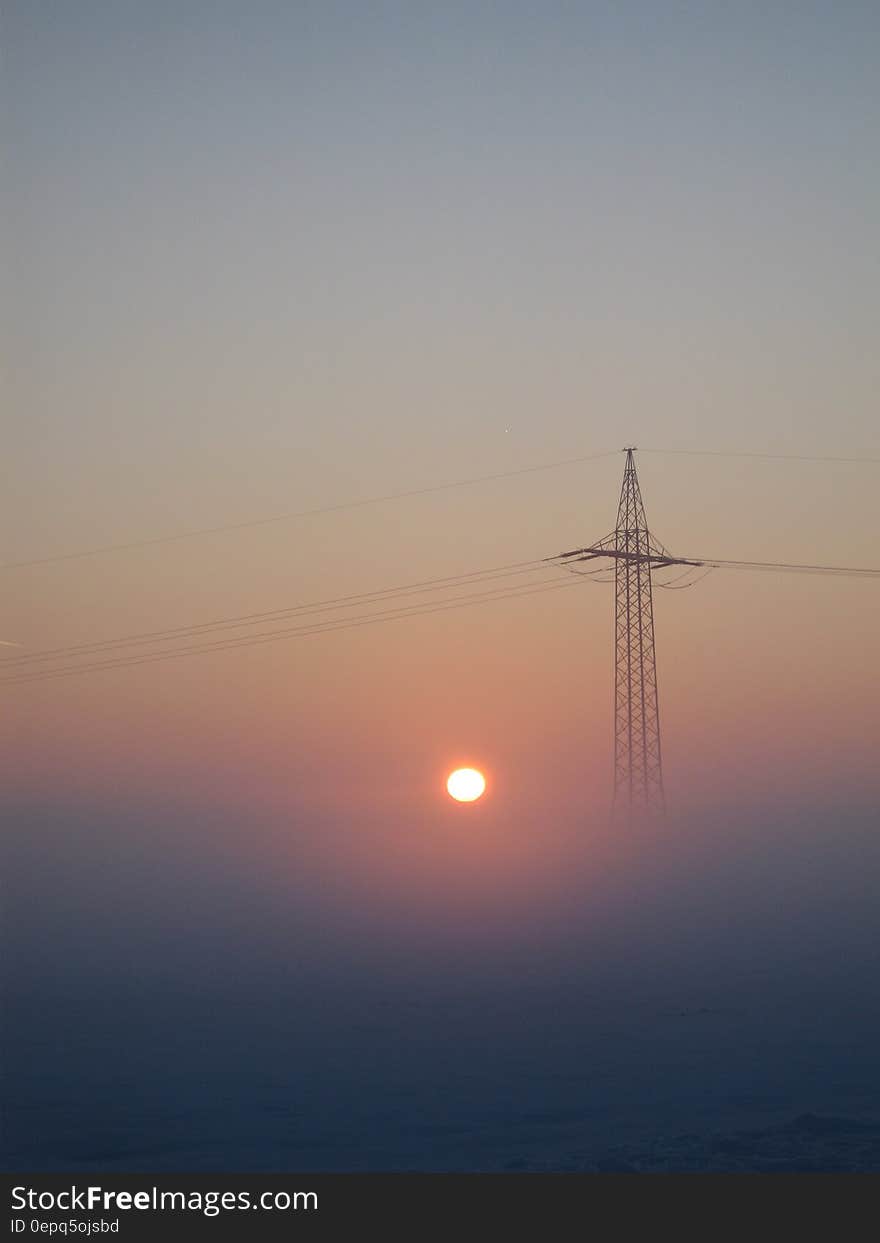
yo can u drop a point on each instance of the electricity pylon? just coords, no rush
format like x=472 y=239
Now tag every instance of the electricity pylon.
x=638 y=759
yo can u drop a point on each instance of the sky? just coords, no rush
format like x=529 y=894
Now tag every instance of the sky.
x=275 y=257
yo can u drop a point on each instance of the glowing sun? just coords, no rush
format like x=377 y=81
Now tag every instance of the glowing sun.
x=466 y=784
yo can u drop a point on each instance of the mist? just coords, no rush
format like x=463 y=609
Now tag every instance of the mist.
x=170 y=1007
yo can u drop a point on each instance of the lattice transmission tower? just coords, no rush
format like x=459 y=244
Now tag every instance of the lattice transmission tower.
x=638 y=756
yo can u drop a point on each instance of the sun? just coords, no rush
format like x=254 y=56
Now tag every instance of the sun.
x=466 y=784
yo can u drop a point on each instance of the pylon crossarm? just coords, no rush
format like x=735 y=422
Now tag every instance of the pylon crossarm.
x=580 y=554
x=656 y=560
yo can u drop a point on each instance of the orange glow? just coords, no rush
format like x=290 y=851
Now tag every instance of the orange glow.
x=466 y=784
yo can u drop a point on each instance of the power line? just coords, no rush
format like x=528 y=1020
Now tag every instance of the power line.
x=222 y=528
x=301 y=513
x=839 y=571
x=684 y=586
x=670 y=583
x=786 y=457
x=601 y=550
x=20 y=674
x=333 y=604
x=349 y=623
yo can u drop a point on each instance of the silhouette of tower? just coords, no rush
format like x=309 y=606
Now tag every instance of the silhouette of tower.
x=638 y=760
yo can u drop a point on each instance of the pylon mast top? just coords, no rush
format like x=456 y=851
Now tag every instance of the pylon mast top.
x=630 y=519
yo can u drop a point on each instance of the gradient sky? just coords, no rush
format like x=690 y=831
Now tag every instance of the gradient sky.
x=273 y=256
